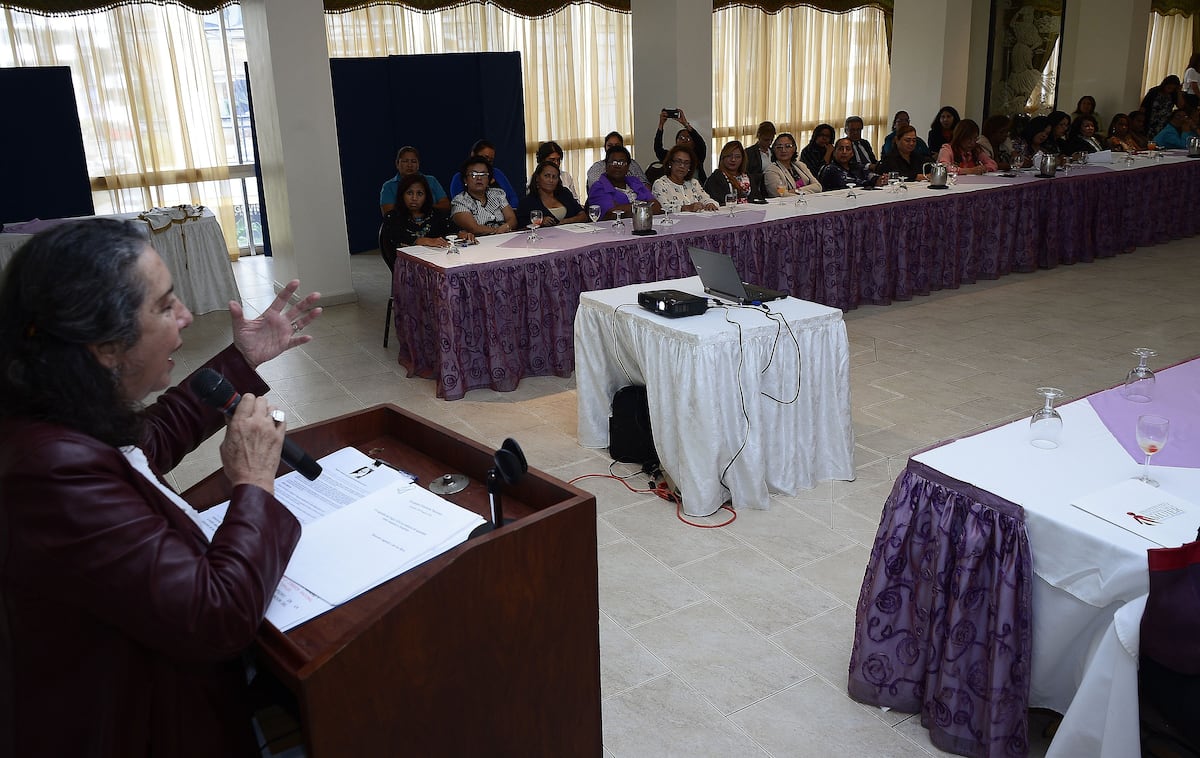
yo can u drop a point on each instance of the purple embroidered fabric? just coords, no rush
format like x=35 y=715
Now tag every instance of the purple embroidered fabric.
x=943 y=620
x=491 y=324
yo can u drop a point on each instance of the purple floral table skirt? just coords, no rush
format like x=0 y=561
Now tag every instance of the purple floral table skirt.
x=943 y=620
x=491 y=324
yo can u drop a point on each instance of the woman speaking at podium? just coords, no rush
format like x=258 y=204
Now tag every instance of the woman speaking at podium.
x=121 y=626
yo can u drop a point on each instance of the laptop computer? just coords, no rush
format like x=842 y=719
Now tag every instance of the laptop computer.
x=720 y=278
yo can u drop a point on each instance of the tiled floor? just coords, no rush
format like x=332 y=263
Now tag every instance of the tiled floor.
x=735 y=641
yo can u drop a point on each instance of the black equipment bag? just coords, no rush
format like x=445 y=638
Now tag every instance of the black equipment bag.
x=630 y=439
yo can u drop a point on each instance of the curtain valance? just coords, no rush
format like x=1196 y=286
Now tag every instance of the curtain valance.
x=529 y=8
x=1175 y=7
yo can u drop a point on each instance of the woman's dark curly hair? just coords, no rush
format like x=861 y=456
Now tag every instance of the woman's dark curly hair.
x=66 y=289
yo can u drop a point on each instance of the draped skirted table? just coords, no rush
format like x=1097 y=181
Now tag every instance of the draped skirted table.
x=504 y=310
x=987 y=590
x=193 y=249
x=742 y=402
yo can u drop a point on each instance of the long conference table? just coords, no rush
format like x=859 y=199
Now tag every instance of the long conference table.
x=988 y=590
x=504 y=309
x=192 y=246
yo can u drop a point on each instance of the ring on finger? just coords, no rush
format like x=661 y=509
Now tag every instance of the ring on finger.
x=296 y=327
x=278 y=416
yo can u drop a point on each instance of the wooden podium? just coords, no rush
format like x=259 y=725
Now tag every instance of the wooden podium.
x=490 y=649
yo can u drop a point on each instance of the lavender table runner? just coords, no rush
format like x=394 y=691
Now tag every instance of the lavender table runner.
x=943 y=623
x=1176 y=397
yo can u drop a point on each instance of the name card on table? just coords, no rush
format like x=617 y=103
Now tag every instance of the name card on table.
x=1148 y=512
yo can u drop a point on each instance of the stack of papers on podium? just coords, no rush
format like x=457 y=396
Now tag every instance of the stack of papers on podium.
x=363 y=523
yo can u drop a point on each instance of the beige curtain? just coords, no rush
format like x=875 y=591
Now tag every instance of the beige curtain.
x=577 y=63
x=145 y=90
x=1168 y=47
x=799 y=68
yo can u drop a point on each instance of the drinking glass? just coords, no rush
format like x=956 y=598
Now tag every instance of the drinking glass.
x=1045 y=427
x=618 y=226
x=731 y=201
x=1139 y=382
x=594 y=215
x=893 y=181
x=535 y=220
x=1151 y=437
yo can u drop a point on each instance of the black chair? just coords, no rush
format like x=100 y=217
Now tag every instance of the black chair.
x=653 y=172
x=388 y=251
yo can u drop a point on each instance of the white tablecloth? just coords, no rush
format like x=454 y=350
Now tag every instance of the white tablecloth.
x=1087 y=570
x=699 y=371
x=194 y=251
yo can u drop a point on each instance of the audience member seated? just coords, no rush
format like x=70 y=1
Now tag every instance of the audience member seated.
x=1035 y=136
x=488 y=151
x=889 y=142
x=786 y=175
x=1086 y=107
x=942 y=128
x=758 y=157
x=730 y=176
x=617 y=189
x=1160 y=102
x=1137 y=129
x=903 y=158
x=553 y=152
x=546 y=194
x=964 y=152
x=600 y=167
x=1082 y=136
x=844 y=171
x=1060 y=124
x=408 y=162
x=481 y=209
x=819 y=149
x=1177 y=132
x=995 y=142
x=864 y=154
x=414 y=220
x=1119 y=137
x=687 y=136
x=678 y=189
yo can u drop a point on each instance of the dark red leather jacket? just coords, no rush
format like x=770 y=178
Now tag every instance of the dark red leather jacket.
x=121 y=626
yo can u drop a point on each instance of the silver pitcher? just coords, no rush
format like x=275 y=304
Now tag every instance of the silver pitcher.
x=1194 y=147
x=1045 y=164
x=938 y=173
x=643 y=217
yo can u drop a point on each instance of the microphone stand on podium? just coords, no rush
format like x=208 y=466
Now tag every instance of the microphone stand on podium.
x=510 y=466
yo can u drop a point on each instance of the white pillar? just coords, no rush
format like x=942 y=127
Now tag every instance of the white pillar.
x=672 y=68
x=931 y=59
x=1104 y=53
x=297 y=143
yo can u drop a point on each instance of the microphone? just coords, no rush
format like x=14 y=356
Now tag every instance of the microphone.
x=215 y=390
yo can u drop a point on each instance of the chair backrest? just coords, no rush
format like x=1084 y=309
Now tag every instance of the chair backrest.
x=653 y=171
x=387 y=249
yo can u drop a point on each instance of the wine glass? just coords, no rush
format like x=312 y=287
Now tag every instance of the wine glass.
x=893 y=178
x=453 y=239
x=850 y=193
x=618 y=226
x=1151 y=437
x=594 y=215
x=952 y=174
x=535 y=220
x=1139 y=383
x=1046 y=424
x=731 y=201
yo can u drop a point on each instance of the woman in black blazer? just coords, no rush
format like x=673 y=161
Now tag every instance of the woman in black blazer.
x=546 y=194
